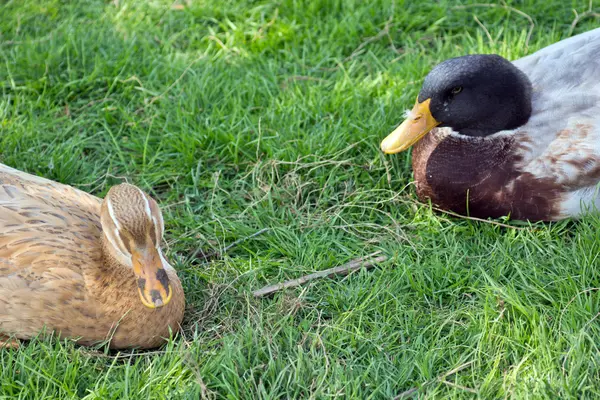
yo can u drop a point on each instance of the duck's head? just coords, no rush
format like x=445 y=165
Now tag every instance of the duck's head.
x=475 y=95
x=133 y=228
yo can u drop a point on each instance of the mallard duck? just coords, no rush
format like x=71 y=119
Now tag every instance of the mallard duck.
x=495 y=138
x=84 y=268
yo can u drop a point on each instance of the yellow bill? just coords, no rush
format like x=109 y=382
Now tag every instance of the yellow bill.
x=153 y=283
x=417 y=125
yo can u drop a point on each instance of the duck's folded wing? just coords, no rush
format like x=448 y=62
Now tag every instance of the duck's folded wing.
x=40 y=235
x=566 y=65
x=35 y=297
x=19 y=183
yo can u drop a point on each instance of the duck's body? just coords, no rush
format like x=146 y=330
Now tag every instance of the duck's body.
x=545 y=166
x=59 y=273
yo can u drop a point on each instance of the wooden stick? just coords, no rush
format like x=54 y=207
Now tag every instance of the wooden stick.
x=366 y=262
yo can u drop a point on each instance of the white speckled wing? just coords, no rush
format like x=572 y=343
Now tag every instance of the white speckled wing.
x=562 y=138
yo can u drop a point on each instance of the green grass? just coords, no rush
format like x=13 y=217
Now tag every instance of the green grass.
x=238 y=115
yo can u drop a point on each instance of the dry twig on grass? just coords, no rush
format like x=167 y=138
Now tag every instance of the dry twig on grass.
x=363 y=262
x=211 y=255
x=442 y=379
x=578 y=17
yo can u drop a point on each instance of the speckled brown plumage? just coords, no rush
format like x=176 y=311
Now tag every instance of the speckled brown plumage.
x=58 y=271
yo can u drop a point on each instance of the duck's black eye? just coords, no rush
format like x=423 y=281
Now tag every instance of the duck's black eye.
x=456 y=90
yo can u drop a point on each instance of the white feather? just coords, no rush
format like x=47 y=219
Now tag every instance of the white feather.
x=122 y=257
x=146 y=204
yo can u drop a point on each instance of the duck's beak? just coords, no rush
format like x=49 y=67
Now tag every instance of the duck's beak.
x=153 y=283
x=419 y=122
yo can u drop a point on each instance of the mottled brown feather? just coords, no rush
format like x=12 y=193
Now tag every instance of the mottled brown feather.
x=57 y=272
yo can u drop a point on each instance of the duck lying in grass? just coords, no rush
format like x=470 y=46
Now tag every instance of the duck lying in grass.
x=496 y=138
x=84 y=268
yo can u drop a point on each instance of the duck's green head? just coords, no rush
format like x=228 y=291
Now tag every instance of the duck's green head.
x=475 y=95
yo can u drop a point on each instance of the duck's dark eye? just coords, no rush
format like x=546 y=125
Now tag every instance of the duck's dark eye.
x=456 y=90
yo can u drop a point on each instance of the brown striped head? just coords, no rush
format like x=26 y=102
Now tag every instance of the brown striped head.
x=133 y=227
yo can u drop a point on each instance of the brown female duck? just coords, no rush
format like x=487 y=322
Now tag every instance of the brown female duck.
x=84 y=268
x=494 y=138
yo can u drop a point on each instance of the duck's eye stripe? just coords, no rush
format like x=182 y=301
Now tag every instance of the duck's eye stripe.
x=111 y=213
x=157 y=234
x=118 y=241
x=146 y=204
x=157 y=220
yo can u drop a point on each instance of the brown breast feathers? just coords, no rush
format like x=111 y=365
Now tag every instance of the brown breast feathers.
x=479 y=177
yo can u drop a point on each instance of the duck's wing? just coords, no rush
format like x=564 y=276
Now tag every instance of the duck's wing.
x=44 y=246
x=46 y=219
x=572 y=61
x=46 y=191
x=560 y=144
x=46 y=225
x=49 y=231
x=43 y=294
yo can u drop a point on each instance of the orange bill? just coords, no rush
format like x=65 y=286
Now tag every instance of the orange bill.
x=153 y=283
x=417 y=125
